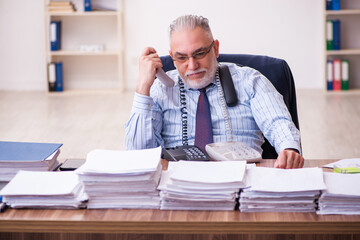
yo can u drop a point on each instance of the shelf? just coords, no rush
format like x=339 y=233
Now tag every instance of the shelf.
x=78 y=53
x=343 y=12
x=88 y=70
x=343 y=52
x=79 y=13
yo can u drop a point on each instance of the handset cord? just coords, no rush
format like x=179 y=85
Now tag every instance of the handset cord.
x=184 y=118
x=229 y=136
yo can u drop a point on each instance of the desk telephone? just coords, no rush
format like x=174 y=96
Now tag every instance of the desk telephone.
x=227 y=151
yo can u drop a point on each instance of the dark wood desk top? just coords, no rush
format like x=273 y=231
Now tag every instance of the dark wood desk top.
x=177 y=222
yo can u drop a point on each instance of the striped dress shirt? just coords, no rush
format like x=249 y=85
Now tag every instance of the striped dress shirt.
x=156 y=119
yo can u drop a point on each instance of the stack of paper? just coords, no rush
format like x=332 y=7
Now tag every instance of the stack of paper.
x=15 y=156
x=122 y=179
x=44 y=190
x=61 y=6
x=281 y=190
x=342 y=195
x=201 y=185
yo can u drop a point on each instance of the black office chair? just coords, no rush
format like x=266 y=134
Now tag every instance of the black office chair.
x=276 y=70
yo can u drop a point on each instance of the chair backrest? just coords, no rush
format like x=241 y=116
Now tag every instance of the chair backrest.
x=276 y=70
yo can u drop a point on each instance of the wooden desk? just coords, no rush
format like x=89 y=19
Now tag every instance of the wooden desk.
x=159 y=224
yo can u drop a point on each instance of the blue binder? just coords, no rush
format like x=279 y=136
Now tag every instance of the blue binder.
x=337 y=34
x=59 y=77
x=329 y=4
x=55 y=35
x=26 y=151
x=336 y=5
x=87 y=5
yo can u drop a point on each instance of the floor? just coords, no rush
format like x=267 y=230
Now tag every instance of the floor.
x=83 y=121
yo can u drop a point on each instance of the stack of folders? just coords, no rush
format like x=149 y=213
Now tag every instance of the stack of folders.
x=122 y=179
x=281 y=190
x=342 y=195
x=188 y=185
x=15 y=156
x=44 y=190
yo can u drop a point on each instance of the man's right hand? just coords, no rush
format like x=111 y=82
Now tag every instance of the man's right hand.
x=149 y=63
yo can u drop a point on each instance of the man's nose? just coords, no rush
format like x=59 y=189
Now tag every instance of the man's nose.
x=192 y=64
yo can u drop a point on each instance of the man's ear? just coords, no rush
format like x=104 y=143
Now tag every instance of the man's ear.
x=216 y=47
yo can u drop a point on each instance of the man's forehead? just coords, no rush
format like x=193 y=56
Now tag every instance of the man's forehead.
x=187 y=41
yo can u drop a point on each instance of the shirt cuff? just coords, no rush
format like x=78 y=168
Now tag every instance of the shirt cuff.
x=142 y=103
x=291 y=145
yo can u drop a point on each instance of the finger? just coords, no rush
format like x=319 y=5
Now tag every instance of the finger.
x=148 y=50
x=281 y=160
x=300 y=161
x=289 y=159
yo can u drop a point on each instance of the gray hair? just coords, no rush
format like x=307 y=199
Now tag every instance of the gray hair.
x=190 y=22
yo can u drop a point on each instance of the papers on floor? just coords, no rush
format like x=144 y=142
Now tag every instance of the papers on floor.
x=342 y=195
x=122 y=179
x=189 y=185
x=15 y=156
x=281 y=190
x=30 y=189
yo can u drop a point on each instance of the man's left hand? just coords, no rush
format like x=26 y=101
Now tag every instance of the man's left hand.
x=289 y=158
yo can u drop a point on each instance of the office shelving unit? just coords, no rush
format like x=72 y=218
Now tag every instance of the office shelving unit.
x=88 y=70
x=349 y=16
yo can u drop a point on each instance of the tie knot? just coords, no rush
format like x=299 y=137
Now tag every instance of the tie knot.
x=202 y=90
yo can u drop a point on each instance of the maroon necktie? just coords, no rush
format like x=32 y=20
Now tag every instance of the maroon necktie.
x=203 y=131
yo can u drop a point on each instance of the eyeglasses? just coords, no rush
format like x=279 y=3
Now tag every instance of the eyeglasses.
x=199 y=54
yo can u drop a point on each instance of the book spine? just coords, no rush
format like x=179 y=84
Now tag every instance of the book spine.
x=329 y=35
x=336 y=5
x=329 y=74
x=336 y=35
x=51 y=77
x=329 y=4
x=87 y=5
x=345 y=74
x=55 y=35
x=337 y=74
x=59 y=76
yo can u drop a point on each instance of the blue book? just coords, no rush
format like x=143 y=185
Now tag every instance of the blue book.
x=59 y=77
x=336 y=33
x=329 y=4
x=27 y=151
x=87 y=5
x=55 y=35
x=336 y=5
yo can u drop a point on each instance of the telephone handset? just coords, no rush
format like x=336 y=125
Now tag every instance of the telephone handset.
x=164 y=78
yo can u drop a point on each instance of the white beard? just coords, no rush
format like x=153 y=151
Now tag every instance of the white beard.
x=204 y=81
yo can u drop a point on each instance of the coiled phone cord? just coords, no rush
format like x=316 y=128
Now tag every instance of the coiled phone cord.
x=184 y=117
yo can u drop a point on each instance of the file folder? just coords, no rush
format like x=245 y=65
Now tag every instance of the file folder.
x=59 y=76
x=329 y=35
x=329 y=4
x=55 y=35
x=87 y=5
x=345 y=74
x=336 y=4
x=329 y=74
x=337 y=74
x=51 y=77
x=336 y=35
x=26 y=151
